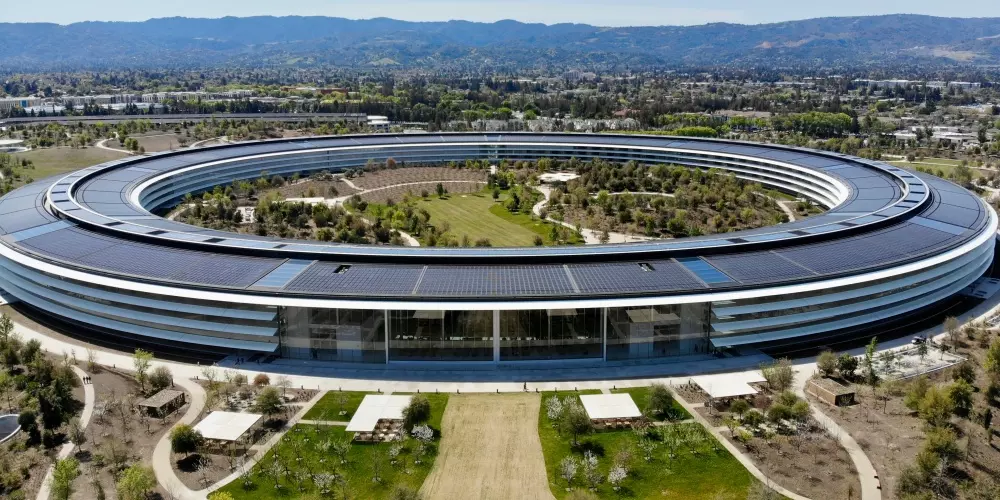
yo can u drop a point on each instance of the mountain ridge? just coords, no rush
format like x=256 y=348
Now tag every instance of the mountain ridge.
x=504 y=45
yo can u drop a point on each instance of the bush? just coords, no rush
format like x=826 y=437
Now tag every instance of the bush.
x=753 y=418
x=779 y=374
x=418 y=411
x=960 y=394
x=964 y=371
x=739 y=407
x=401 y=492
x=847 y=365
x=826 y=363
x=936 y=407
x=778 y=412
x=161 y=378
x=915 y=394
x=943 y=443
x=135 y=483
x=261 y=380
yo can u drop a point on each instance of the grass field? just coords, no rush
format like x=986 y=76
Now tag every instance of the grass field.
x=945 y=165
x=332 y=403
x=640 y=395
x=300 y=451
x=52 y=161
x=154 y=142
x=699 y=468
x=478 y=216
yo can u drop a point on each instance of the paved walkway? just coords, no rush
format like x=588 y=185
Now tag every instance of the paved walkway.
x=162 y=466
x=871 y=488
x=736 y=452
x=101 y=145
x=590 y=237
x=89 y=399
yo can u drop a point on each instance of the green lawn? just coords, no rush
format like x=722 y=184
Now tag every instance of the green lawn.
x=935 y=164
x=640 y=395
x=52 y=161
x=299 y=449
x=438 y=403
x=478 y=216
x=698 y=468
x=332 y=403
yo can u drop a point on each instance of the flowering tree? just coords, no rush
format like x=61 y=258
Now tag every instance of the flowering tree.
x=590 y=472
x=567 y=469
x=553 y=409
x=616 y=475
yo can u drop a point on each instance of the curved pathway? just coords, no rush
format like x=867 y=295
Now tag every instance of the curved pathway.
x=89 y=399
x=222 y=140
x=736 y=452
x=871 y=488
x=590 y=237
x=101 y=145
x=162 y=466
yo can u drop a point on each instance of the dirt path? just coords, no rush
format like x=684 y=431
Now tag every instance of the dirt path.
x=490 y=450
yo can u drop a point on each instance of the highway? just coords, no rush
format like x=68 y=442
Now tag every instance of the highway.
x=179 y=118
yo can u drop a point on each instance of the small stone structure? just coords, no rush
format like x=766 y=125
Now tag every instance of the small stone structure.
x=163 y=403
x=830 y=391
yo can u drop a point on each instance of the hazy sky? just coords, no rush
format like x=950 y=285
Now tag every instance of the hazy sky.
x=598 y=12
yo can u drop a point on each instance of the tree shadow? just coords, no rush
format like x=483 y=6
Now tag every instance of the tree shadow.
x=592 y=446
x=192 y=463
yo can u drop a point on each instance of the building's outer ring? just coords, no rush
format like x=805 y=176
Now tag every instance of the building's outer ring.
x=85 y=249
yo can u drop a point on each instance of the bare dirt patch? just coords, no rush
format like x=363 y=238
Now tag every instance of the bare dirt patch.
x=490 y=450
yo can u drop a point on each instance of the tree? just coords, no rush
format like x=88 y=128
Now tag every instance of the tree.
x=915 y=394
x=135 y=483
x=28 y=421
x=739 y=407
x=960 y=394
x=951 y=327
x=779 y=374
x=184 y=439
x=943 y=443
x=269 y=402
x=936 y=408
x=417 y=411
x=826 y=363
x=922 y=350
x=261 y=380
x=575 y=421
x=992 y=362
x=160 y=379
x=987 y=423
x=660 y=402
x=440 y=190
x=75 y=433
x=63 y=474
x=567 y=469
x=6 y=328
x=141 y=361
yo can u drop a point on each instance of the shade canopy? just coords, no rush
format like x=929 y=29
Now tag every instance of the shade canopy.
x=377 y=407
x=604 y=406
x=729 y=385
x=227 y=425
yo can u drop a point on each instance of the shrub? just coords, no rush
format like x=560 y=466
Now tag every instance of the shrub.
x=943 y=443
x=826 y=363
x=964 y=371
x=418 y=411
x=915 y=394
x=261 y=380
x=936 y=407
x=778 y=412
x=753 y=418
x=401 y=492
x=779 y=374
x=135 y=483
x=739 y=407
x=960 y=394
x=847 y=365
x=160 y=379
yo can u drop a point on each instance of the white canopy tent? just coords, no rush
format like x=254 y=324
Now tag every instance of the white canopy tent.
x=729 y=385
x=377 y=407
x=606 y=406
x=227 y=425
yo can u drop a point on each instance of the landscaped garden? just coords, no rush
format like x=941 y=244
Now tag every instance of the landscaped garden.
x=673 y=460
x=323 y=460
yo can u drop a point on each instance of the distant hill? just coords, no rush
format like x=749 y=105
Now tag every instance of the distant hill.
x=325 y=41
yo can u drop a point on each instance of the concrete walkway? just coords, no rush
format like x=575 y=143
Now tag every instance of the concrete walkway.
x=89 y=398
x=736 y=452
x=101 y=145
x=162 y=466
x=871 y=488
x=590 y=237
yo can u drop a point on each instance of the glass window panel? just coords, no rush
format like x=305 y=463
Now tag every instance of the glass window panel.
x=344 y=335
x=441 y=335
x=550 y=334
